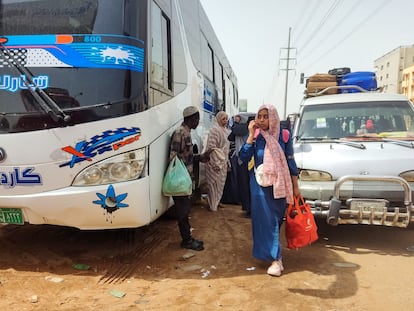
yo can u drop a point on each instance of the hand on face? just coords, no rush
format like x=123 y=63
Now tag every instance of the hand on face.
x=252 y=127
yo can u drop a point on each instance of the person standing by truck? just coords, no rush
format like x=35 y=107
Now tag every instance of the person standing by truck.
x=277 y=187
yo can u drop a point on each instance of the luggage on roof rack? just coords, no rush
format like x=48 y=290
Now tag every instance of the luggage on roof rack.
x=319 y=82
x=364 y=79
x=339 y=73
x=322 y=77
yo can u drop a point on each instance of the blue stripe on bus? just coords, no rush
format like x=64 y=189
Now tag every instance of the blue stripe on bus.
x=84 y=55
x=30 y=40
x=207 y=106
x=101 y=56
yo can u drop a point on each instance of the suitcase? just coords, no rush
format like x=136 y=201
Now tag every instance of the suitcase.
x=315 y=87
x=364 y=79
x=339 y=73
x=322 y=77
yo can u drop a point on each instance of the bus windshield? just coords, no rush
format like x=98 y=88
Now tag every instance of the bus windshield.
x=82 y=59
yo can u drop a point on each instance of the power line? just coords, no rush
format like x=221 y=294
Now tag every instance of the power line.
x=350 y=33
x=306 y=23
x=322 y=22
x=346 y=16
x=300 y=17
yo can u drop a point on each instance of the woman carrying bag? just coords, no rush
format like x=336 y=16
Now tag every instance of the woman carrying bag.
x=275 y=169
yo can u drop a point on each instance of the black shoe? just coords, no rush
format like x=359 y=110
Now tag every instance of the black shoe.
x=193 y=244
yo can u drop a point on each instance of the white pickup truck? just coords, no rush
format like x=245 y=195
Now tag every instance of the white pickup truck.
x=355 y=153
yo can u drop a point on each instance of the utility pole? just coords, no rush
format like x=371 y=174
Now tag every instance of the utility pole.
x=287 y=68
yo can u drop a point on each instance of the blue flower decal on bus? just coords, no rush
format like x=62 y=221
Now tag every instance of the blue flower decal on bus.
x=111 y=202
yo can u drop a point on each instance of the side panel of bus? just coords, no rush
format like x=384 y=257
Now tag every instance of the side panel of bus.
x=38 y=172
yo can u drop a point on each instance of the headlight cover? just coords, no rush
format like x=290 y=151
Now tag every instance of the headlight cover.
x=311 y=175
x=120 y=168
x=408 y=176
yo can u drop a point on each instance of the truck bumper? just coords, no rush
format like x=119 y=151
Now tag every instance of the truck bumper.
x=362 y=199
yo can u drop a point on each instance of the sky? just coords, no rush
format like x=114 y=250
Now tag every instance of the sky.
x=324 y=34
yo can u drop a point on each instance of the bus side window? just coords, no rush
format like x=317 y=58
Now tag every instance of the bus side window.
x=161 y=76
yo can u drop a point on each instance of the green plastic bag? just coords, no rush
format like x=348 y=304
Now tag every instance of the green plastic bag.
x=177 y=181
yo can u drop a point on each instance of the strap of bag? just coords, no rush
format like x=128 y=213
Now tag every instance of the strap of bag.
x=297 y=202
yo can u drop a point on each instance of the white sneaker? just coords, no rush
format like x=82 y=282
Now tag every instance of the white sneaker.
x=281 y=265
x=275 y=268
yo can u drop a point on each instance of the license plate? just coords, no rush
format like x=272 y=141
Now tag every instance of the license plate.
x=11 y=216
x=366 y=205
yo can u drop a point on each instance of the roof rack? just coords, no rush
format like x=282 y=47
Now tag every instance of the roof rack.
x=336 y=87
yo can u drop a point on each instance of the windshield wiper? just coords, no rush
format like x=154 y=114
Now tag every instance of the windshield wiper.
x=311 y=138
x=42 y=98
x=403 y=143
x=408 y=144
x=350 y=143
x=333 y=139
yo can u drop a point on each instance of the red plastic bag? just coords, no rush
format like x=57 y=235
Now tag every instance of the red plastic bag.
x=301 y=229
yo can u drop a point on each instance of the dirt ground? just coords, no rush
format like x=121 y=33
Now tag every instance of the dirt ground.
x=348 y=268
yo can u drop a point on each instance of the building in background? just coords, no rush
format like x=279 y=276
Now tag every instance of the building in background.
x=389 y=68
x=243 y=105
x=407 y=84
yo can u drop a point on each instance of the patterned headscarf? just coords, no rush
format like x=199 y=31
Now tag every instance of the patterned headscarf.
x=223 y=128
x=275 y=168
x=218 y=141
x=220 y=115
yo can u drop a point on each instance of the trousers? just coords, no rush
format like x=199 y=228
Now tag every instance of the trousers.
x=182 y=212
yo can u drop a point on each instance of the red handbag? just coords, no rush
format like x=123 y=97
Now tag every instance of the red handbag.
x=301 y=229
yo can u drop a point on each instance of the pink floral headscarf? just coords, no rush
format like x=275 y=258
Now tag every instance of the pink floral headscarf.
x=275 y=169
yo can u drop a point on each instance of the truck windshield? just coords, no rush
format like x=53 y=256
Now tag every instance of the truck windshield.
x=372 y=119
x=87 y=56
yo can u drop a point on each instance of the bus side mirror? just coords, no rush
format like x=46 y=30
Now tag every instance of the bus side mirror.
x=302 y=78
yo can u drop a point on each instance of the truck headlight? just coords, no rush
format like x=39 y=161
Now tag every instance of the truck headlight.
x=311 y=175
x=408 y=176
x=124 y=167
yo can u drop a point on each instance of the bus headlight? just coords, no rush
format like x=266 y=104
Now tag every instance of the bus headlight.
x=408 y=176
x=120 y=171
x=311 y=175
x=93 y=175
x=124 y=167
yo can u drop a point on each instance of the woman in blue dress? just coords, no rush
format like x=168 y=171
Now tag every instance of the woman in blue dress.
x=275 y=169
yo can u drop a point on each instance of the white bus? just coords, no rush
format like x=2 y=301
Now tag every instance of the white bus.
x=90 y=92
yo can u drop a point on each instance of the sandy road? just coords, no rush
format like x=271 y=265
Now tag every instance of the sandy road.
x=349 y=268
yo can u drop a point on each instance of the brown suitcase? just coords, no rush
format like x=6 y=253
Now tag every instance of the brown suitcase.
x=315 y=87
x=322 y=77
